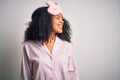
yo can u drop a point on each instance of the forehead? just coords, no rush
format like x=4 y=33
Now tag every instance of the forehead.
x=58 y=15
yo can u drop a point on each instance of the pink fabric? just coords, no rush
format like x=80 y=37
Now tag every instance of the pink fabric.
x=54 y=8
x=39 y=64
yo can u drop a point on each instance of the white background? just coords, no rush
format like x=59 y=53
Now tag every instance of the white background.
x=95 y=38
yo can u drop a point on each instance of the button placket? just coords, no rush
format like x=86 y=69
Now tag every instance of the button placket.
x=52 y=70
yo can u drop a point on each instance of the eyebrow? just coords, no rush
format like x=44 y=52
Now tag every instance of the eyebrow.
x=59 y=16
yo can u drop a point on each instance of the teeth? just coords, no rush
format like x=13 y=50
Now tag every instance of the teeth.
x=60 y=26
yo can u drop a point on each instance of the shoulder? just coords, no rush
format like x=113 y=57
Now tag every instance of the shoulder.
x=29 y=47
x=67 y=47
x=65 y=44
x=31 y=44
x=27 y=43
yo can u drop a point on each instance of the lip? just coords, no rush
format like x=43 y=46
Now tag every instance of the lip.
x=60 y=25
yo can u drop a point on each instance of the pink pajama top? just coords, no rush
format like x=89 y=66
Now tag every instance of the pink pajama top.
x=39 y=64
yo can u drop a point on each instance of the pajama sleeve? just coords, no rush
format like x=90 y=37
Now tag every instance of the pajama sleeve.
x=25 y=68
x=72 y=67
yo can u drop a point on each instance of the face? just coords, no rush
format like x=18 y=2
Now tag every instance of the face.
x=57 y=23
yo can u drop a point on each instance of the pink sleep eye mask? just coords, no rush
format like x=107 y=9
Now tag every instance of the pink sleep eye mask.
x=54 y=8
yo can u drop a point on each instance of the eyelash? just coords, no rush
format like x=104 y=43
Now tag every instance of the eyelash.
x=57 y=18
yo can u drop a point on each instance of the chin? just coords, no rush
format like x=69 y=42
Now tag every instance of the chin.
x=59 y=32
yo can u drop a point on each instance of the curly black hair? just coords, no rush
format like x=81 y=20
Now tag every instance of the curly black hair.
x=40 y=27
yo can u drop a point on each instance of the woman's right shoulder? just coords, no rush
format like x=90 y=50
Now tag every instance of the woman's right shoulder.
x=27 y=43
x=31 y=43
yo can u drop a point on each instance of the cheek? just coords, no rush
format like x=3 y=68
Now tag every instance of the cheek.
x=54 y=24
x=55 y=28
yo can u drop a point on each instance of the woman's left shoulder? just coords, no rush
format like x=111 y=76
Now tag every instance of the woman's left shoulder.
x=64 y=43
x=67 y=44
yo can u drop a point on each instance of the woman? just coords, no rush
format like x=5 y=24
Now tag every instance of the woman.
x=48 y=53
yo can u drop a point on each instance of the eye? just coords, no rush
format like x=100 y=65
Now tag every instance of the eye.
x=57 y=17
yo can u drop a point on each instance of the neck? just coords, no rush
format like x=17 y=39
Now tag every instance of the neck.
x=52 y=36
x=51 y=39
